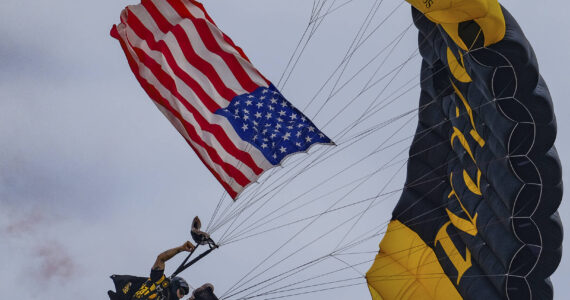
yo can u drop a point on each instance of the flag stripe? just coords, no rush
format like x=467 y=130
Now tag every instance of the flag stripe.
x=228 y=184
x=204 y=97
x=197 y=10
x=236 y=174
x=207 y=122
x=196 y=44
x=169 y=83
x=147 y=87
x=187 y=71
x=213 y=39
x=211 y=159
x=229 y=144
x=259 y=159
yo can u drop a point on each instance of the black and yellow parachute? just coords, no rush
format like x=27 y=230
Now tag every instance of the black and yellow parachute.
x=491 y=231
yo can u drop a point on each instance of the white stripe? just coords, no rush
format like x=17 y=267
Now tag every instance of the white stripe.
x=219 y=65
x=246 y=65
x=194 y=10
x=201 y=79
x=165 y=9
x=220 y=172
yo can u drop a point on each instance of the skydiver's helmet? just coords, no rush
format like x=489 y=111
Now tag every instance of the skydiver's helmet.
x=178 y=283
x=205 y=292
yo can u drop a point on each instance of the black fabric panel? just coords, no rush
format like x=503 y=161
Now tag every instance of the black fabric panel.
x=518 y=229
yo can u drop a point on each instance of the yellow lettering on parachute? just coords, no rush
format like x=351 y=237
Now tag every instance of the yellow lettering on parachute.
x=457 y=68
x=474 y=188
x=458 y=134
x=460 y=263
x=473 y=131
x=467 y=226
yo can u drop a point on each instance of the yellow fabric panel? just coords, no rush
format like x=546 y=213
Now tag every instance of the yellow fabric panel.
x=374 y=294
x=449 y=13
x=406 y=268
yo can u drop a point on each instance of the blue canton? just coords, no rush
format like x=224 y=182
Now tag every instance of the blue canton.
x=269 y=122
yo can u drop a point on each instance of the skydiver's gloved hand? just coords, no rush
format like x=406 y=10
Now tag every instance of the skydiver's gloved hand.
x=187 y=246
x=201 y=237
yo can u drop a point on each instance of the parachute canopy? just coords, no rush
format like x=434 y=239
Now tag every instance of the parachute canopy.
x=477 y=217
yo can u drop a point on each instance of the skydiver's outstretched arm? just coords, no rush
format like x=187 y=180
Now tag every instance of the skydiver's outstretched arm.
x=168 y=254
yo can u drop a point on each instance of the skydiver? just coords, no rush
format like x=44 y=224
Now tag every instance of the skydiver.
x=158 y=286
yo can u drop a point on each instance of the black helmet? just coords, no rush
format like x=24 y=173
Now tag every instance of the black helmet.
x=179 y=283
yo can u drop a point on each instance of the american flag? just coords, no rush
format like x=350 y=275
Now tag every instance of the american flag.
x=236 y=121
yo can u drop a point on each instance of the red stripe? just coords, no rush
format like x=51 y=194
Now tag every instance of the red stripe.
x=182 y=8
x=202 y=95
x=191 y=57
x=226 y=37
x=169 y=83
x=155 y=95
x=196 y=3
x=212 y=45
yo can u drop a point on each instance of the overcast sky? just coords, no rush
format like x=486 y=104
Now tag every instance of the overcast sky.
x=94 y=181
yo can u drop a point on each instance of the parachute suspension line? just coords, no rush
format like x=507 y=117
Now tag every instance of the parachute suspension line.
x=379 y=109
x=397 y=38
x=421 y=107
x=416 y=109
x=216 y=210
x=368 y=86
x=367 y=156
x=248 y=296
x=239 y=236
x=344 y=60
x=332 y=230
x=303 y=229
x=369 y=205
x=314 y=24
x=330 y=11
x=360 y=118
x=398 y=276
x=362 y=275
x=311 y=20
x=362 y=159
x=382 y=50
x=284 y=289
x=390 y=193
x=294 y=271
x=235 y=286
x=383 y=226
x=413 y=110
x=332 y=254
x=350 y=52
x=329 y=255
x=222 y=197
